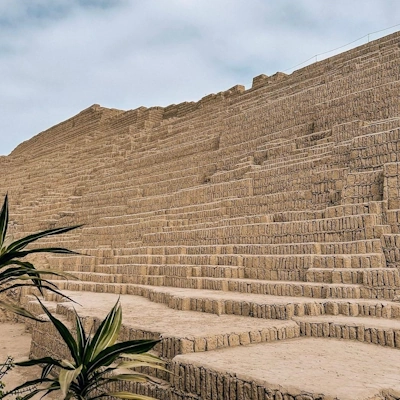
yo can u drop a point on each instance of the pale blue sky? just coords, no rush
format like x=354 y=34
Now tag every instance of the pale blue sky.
x=58 y=57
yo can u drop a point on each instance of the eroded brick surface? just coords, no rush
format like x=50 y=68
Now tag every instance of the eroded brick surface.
x=277 y=204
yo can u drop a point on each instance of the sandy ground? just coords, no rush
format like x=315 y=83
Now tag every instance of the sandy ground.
x=344 y=370
x=341 y=369
x=15 y=342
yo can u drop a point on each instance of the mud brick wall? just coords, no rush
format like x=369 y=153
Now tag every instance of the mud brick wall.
x=392 y=185
x=198 y=382
x=289 y=188
x=363 y=187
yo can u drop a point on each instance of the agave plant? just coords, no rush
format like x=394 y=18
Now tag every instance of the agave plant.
x=15 y=273
x=95 y=362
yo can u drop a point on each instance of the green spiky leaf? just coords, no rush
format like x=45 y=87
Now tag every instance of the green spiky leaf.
x=39 y=361
x=66 y=377
x=19 y=311
x=130 y=396
x=3 y=221
x=64 y=332
x=107 y=333
x=110 y=354
x=22 y=243
x=85 y=380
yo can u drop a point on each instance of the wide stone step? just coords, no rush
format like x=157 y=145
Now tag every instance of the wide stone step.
x=181 y=331
x=226 y=354
x=274 y=267
x=377 y=277
x=294 y=260
x=195 y=281
x=367 y=260
x=338 y=249
x=256 y=305
x=300 y=369
x=253 y=286
x=212 y=271
x=379 y=331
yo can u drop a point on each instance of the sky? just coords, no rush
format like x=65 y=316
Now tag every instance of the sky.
x=58 y=57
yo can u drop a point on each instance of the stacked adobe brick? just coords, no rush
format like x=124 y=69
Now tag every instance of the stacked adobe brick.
x=280 y=202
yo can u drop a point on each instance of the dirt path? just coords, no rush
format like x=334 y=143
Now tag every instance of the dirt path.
x=15 y=342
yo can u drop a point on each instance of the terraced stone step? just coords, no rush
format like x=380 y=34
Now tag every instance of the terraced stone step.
x=251 y=200
x=222 y=279
x=271 y=267
x=274 y=288
x=307 y=159
x=203 y=276
x=242 y=331
x=306 y=261
x=267 y=261
x=187 y=271
x=326 y=249
x=379 y=331
x=366 y=260
x=338 y=229
x=297 y=369
x=391 y=248
x=181 y=331
x=376 y=277
x=280 y=268
x=256 y=305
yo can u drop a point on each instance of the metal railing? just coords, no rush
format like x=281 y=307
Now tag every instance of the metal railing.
x=314 y=58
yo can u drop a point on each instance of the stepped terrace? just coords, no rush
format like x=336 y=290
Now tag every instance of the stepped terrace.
x=257 y=232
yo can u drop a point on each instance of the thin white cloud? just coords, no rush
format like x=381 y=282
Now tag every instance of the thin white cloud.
x=57 y=58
